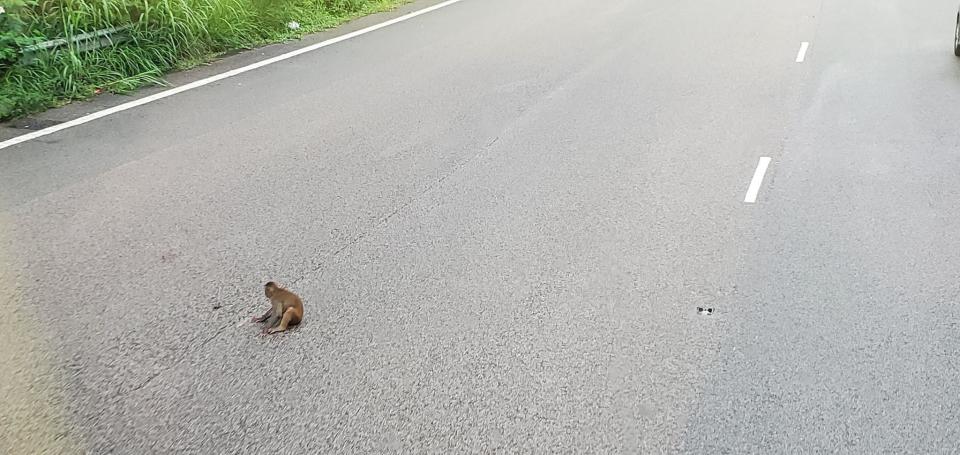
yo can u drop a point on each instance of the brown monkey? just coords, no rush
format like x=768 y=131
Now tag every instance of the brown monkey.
x=285 y=309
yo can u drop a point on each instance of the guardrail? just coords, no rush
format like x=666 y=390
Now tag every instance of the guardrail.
x=83 y=42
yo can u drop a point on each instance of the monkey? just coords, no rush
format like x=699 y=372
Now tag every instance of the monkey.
x=285 y=309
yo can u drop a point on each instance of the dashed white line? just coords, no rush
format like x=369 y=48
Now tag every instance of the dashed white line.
x=215 y=78
x=754 y=189
x=802 y=54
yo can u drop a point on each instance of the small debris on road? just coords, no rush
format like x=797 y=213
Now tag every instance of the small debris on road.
x=705 y=311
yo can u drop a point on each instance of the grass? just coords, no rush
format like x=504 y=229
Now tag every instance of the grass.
x=165 y=35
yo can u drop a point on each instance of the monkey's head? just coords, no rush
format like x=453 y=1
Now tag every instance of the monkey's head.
x=269 y=289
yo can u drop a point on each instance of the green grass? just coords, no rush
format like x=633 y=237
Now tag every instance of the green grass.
x=165 y=35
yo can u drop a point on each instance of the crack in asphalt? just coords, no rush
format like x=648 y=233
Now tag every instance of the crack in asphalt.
x=326 y=264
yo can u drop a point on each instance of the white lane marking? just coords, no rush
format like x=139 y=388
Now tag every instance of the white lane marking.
x=802 y=55
x=215 y=78
x=754 y=189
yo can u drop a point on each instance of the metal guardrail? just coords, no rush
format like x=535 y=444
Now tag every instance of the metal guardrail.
x=83 y=42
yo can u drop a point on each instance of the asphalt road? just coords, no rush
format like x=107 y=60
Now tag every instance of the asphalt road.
x=502 y=217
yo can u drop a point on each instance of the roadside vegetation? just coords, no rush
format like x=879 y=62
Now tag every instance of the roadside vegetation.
x=157 y=36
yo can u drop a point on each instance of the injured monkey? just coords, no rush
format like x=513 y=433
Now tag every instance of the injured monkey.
x=286 y=309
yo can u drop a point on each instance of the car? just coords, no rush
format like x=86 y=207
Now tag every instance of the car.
x=956 y=36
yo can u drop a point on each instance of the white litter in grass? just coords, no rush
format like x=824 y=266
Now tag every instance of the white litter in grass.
x=293 y=25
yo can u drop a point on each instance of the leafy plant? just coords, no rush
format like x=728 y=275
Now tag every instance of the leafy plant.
x=14 y=33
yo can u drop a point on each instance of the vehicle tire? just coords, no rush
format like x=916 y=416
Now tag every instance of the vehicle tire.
x=956 y=38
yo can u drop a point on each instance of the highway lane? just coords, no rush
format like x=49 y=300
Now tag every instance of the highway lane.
x=502 y=217
x=846 y=338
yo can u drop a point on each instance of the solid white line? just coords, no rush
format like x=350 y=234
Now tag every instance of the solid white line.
x=754 y=189
x=215 y=78
x=802 y=55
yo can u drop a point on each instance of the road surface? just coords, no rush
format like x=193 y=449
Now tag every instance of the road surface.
x=502 y=217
